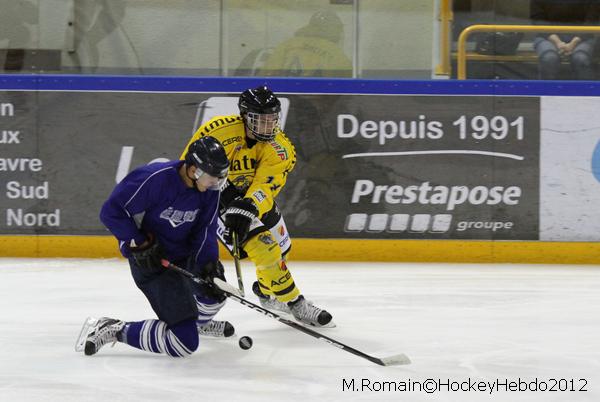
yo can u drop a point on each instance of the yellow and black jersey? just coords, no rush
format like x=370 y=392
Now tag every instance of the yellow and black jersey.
x=307 y=56
x=258 y=170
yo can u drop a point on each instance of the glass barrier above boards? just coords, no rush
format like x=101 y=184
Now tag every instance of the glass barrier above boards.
x=375 y=39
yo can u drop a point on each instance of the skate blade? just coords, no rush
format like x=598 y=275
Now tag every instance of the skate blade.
x=330 y=324
x=88 y=324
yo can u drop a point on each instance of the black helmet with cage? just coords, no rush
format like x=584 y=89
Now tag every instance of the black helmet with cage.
x=209 y=157
x=259 y=107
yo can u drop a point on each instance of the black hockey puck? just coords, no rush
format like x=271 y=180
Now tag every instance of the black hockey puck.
x=245 y=342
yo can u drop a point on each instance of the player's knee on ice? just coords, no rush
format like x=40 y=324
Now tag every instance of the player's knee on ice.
x=178 y=340
x=182 y=339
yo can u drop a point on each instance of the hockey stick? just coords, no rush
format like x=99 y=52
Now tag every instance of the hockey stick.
x=233 y=293
x=236 y=261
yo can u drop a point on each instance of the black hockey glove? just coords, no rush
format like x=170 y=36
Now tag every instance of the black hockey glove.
x=229 y=192
x=212 y=270
x=149 y=257
x=238 y=217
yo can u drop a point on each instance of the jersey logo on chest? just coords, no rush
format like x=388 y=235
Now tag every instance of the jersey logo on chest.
x=177 y=218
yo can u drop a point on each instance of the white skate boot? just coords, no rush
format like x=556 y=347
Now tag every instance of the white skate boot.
x=97 y=333
x=216 y=329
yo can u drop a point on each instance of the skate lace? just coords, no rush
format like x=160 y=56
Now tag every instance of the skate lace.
x=212 y=328
x=305 y=310
x=107 y=334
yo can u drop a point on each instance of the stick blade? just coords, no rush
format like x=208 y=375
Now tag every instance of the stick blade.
x=221 y=284
x=395 y=360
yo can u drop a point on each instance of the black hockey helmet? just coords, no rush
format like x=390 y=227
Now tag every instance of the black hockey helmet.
x=259 y=107
x=209 y=157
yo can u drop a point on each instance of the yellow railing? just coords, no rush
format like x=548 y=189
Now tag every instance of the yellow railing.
x=445 y=18
x=462 y=39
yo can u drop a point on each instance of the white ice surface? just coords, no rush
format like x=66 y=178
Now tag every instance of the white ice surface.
x=454 y=321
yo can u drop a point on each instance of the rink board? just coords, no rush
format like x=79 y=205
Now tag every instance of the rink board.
x=444 y=251
x=387 y=170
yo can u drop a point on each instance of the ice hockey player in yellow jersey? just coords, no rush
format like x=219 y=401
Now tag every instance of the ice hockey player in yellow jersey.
x=261 y=157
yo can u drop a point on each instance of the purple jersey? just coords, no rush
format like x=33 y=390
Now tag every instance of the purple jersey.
x=154 y=199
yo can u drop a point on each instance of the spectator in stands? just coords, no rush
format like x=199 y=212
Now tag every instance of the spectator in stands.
x=314 y=51
x=552 y=48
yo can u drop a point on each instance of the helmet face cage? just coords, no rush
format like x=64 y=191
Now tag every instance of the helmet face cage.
x=260 y=109
x=264 y=126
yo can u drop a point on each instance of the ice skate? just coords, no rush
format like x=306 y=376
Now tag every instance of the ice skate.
x=216 y=329
x=269 y=302
x=99 y=332
x=307 y=313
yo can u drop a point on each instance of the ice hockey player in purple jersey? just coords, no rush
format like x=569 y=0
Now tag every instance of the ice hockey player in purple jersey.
x=168 y=210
